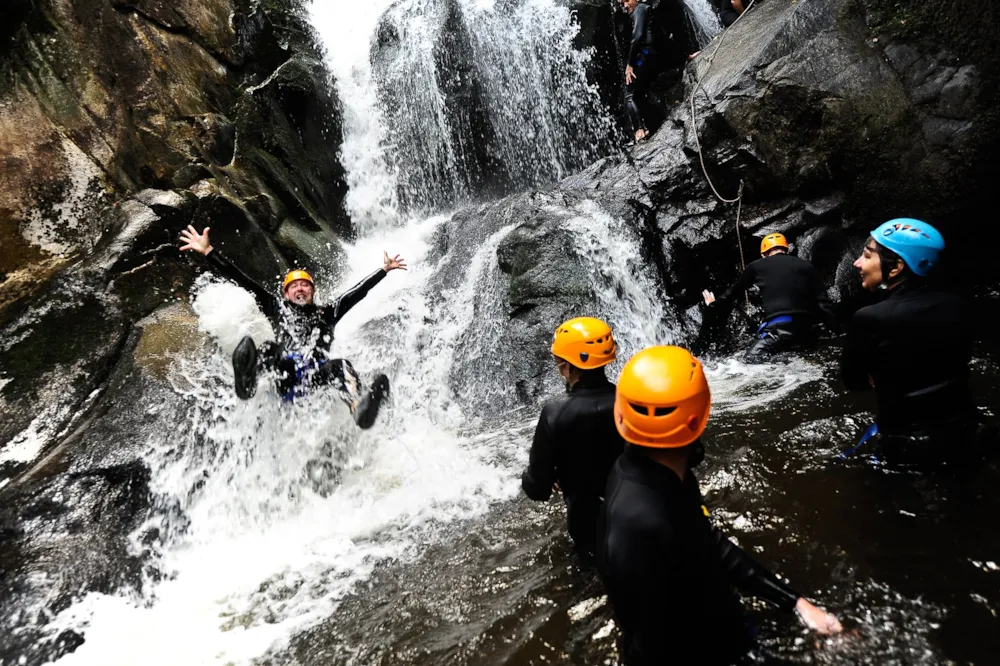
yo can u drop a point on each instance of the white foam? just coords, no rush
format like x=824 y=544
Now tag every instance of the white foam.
x=346 y=29
x=265 y=554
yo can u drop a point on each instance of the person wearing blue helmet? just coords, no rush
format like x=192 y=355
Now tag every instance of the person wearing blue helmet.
x=913 y=348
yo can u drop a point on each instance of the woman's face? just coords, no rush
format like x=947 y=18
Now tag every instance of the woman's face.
x=869 y=265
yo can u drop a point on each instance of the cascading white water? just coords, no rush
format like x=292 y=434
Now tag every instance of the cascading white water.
x=270 y=513
x=704 y=20
x=503 y=97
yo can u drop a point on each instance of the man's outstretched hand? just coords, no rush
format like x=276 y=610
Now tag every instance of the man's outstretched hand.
x=388 y=264
x=817 y=619
x=195 y=241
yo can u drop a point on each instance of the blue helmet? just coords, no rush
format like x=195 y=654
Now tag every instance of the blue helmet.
x=917 y=243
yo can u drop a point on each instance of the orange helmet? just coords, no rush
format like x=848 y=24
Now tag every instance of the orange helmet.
x=772 y=241
x=662 y=399
x=297 y=275
x=584 y=342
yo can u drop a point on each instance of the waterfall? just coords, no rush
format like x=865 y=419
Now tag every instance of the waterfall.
x=481 y=98
x=704 y=20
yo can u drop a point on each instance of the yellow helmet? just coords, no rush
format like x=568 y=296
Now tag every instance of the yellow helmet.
x=662 y=399
x=296 y=275
x=584 y=342
x=772 y=241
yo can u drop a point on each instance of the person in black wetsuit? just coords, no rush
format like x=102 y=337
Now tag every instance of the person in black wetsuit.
x=792 y=295
x=914 y=348
x=575 y=440
x=649 y=50
x=730 y=10
x=304 y=333
x=669 y=572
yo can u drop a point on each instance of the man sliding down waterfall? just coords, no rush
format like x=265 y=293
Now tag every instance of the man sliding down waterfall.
x=304 y=333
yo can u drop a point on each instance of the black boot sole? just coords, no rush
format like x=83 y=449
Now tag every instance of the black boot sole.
x=368 y=409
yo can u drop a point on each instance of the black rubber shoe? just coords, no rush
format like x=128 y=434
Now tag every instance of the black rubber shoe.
x=367 y=410
x=245 y=368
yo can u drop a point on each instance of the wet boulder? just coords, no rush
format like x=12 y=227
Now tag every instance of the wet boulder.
x=77 y=521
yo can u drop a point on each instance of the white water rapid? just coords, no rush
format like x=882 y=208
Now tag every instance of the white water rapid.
x=270 y=514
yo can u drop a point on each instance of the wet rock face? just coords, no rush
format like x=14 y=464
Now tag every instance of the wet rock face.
x=122 y=121
x=102 y=99
x=68 y=522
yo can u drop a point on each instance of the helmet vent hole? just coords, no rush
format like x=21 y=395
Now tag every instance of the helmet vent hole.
x=663 y=411
x=639 y=409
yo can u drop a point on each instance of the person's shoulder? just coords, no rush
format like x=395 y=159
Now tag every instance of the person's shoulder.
x=553 y=407
x=870 y=313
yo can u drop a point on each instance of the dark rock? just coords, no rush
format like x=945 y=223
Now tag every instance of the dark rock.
x=289 y=134
x=218 y=136
x=188 y=175
x=958 y=97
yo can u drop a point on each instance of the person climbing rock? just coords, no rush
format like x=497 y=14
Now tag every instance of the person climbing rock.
x=650 y=49
x=729 y=10
x=304 y=334
x=669 y=572
x=575 y=440
x=914 y=348
x=792 y=295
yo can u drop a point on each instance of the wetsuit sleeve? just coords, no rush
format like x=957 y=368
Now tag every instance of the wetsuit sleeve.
x=538 y=479
x=268 y=301
x=745 y=282
x=353 y=296
x=854 y=365
x=639 y=17
x=750 y=576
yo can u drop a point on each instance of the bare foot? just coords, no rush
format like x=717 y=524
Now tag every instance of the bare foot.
x=694 y=55
x=641 y=134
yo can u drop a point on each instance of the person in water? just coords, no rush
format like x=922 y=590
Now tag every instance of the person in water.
x=669 y=572
x=792 y=295
x=646 y=57
x=914 y=348
x=304 y=334
x=575 y=440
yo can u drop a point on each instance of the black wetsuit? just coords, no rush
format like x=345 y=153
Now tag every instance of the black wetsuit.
x=576 y=443
x=915 y=346
x=304 y=336
x=727 y=13
x=644 y=58
x=670 y=573
x=793 y=298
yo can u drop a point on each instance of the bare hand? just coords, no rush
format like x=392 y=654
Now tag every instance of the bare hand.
x=817 y=619
x=392 y=264
x=629 y=75
x=708 y=296
x=195 y=241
